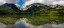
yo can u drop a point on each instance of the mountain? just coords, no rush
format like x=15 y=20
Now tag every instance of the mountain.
x=33 y=8
x=44 y=9
x=9 y=8
x=36 y=7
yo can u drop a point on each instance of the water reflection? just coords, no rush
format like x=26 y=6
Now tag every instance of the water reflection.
x=22 y=24
x=2 y=25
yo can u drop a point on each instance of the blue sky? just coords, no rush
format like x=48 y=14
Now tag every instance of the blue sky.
x=21 y=3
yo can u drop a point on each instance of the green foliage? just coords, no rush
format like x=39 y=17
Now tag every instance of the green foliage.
x=9 y=8
x=40 y=15
x=8 y=20
x=6 y=9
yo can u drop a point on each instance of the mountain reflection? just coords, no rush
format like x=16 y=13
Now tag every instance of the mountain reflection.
x=22 y=23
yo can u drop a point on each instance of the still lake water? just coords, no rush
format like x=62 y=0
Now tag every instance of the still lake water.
x=21 y=23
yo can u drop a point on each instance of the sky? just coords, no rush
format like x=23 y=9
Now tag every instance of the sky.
x=21 y=2
x=24 y=3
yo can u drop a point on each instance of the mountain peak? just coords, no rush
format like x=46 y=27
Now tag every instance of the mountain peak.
x=34 y=5
x=10 y=7
x=53 y=6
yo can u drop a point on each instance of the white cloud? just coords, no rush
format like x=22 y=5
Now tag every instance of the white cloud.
x=47 y=2
x=2 y=2
x=59 y=2
x=8 y=1
x=12 y=1
x=28 y=2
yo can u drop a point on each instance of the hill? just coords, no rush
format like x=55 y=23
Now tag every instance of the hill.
x=9 y=8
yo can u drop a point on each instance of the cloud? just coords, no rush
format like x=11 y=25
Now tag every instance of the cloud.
x=47 y=2
x=2 y=2
x=8 y=1
x=17 y=5
x=28 y=2
x=12 y=1
x=59 y=2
